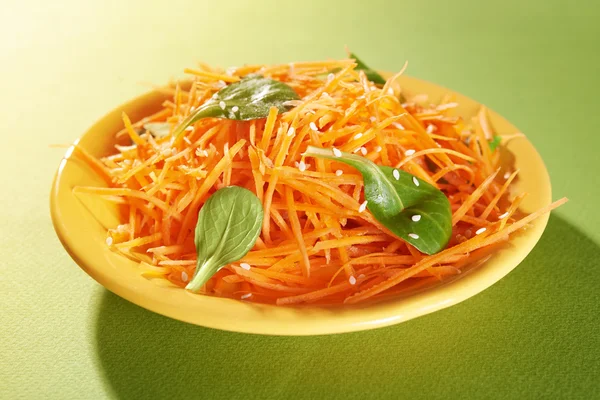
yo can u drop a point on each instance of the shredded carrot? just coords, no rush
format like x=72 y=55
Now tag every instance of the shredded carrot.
x=315 y=246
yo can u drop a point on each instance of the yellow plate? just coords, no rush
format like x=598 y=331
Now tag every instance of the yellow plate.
x=81 y=223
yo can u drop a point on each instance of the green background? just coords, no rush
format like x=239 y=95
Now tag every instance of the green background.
x=534 y=334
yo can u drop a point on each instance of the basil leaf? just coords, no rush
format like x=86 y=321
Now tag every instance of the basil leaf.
x=250 y=98
x=495 y=142
x=371 y=74
x=158 y=129
x=419 y=214
x=227 y=228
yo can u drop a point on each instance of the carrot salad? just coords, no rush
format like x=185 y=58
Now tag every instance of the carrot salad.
x=318 y=243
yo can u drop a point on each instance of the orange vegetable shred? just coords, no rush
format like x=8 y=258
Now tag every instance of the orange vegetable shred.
x=315 y=246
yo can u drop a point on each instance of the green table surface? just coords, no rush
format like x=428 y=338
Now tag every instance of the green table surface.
x=534 y=334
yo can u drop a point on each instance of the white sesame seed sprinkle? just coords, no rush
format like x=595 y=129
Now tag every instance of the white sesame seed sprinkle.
x=373 y=119
x=363 y=151
x=378 y=149
x=313 y=126
x=409 y=153
x=246 y=296
x=399 y=126
x=339 y=172
x=109 y=241
x=480 y=231
x=507 y=175
x=325 y=94
x=363 y=206
x=184 y=276
x=415 y=181
x=416 y=218
x=235 y=109
x=447 y=106
x=330 y=77
x=413 y=236
x=189 y=128
x=358 y=136
x=391 y=91
x=291 y=131
x=396 y=174
x=222 y=105
x=214 y=96
x=352 y=280
x=336 y=152
x=431 y=128
x=302 y=166
x=503 y=215
x=245 y=266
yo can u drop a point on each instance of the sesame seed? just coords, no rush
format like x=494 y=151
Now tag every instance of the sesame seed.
x=416 y=217
x=396 y=174
x=192 y=108
x=336 y=152
x=325 y=94
x=330 y=77
x=431 y=128
x=503 y=215
x=373 y=119
x=313 y=126
x=222 y=105
x=480 y=231
x=362 y=276
x=507 y=175
x=410 y=152
x=291 y=131
x=246 y=296
x=352 y=280
x=302 y=166
x=362 y=207
x=245 y=266
x=184 y=276
x=339 y=172
x=391 y=91
x=363 y=151
x=214 y=96
x=415 y=181
x=447 y=106
x=235 y=109
x=189 y=128
x=399 y=126
x=378 y=149
x=109 y=241
x=358 y=136
x=413 y=236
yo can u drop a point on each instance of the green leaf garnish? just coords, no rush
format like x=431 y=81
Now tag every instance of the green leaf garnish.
x=371 y=74
x=158 y=129
x=250 y=98
x=227 y=228
x=409 y=207
x=495 y=142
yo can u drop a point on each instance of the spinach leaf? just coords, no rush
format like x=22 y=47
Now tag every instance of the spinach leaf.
x=250 y=98
x=158 y=129
x=409 y=207
x=495 y=142
x=227 y=228
x=372 y=75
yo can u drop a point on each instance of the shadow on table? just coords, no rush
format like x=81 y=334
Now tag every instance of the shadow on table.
x=532 y=334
